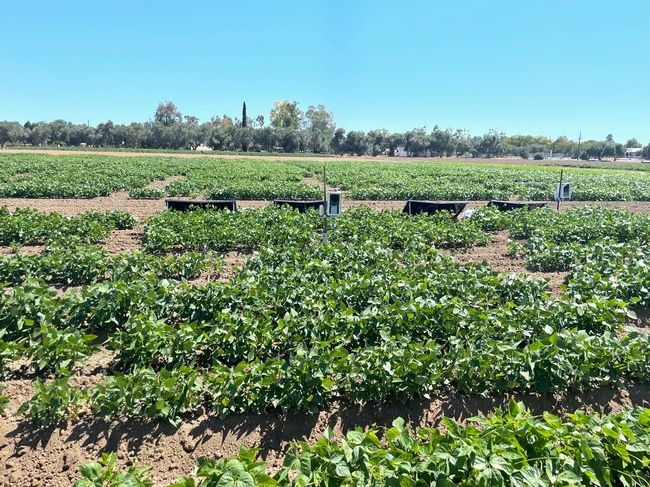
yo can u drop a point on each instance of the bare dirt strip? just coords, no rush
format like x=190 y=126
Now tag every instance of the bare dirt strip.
x=49 y=457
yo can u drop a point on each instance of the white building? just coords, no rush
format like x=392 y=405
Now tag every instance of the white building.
x=633 y=152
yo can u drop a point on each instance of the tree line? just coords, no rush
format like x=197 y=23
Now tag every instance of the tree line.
x=292 y=130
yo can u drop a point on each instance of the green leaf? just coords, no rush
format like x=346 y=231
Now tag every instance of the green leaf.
x=91 y=471
x=342 y=470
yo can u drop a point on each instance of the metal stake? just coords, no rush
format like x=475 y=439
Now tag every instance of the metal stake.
x=325 y=206
x=559 y=191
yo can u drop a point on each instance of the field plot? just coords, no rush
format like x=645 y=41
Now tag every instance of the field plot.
x=90 y=176
x=166 y=353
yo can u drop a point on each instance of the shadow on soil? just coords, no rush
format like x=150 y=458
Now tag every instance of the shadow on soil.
x=273 y=432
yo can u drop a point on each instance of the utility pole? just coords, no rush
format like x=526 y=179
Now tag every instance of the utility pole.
x=579 y=141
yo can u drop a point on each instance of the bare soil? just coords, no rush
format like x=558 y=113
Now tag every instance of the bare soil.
x=163 y=182
x=49 y=457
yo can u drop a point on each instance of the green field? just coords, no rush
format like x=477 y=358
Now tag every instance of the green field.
x=87 y=176
x=383 y=314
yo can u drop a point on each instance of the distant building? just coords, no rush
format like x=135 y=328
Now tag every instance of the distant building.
x=633 y=152
x=402 y=152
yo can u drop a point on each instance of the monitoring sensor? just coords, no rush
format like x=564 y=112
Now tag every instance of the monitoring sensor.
x=334 y=201
x=563 y=191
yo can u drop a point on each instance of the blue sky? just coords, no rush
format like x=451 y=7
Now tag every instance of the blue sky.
x=521 y=66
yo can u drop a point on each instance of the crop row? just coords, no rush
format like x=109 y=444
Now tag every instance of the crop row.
x=281 y=226
x=89 y=176
x=511 y=448
x=449 y=181
x=31 y=227
x=605 y=251
x=83 y=264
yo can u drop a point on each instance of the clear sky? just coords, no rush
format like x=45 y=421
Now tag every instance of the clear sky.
x=521 y=66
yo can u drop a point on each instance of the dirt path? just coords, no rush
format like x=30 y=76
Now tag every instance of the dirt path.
x=49 y=457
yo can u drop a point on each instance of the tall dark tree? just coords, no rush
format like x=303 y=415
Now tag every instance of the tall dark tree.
x=167 y=114
x=244 y=146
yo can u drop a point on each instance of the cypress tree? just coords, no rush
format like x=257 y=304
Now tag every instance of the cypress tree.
x=243 y=124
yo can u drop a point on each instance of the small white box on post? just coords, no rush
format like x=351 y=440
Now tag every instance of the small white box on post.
x=334 y=201
x=563 y=191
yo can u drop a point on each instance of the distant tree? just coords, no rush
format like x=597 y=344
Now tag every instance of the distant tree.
x=244 y=120
x=29 y=125
x=563 y=145
x=219 y=138
x=356 y=142
x=609 y=139
x=259 y=121
x=594 y=149
x=337 y=143
x=167 y=114
x=59 y=132
x=136 y=135
x=304 y=140
x=319 y=118
x=378 y=141
x=319 y=142
x=538 y=156
x=289 y=139
x=646 y=152
x=492 y=144
x=12 y=132
x=286 y=115
x=442 y=142
x=83 y=134
x=536 y=148
x=417 y=141
x=5 y=127
x=265 y=138
x=39 y=133
x=105 y=135
x=609 y=150
x=462 y=141
x=543 y=141
x=619 y=151
x=523 y=153
x=394 y=141
x=121 y=135
x=224 y=121
x=632 y=143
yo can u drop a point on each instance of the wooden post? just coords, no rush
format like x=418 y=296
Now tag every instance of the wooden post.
x=559 y=192
x=325 y=206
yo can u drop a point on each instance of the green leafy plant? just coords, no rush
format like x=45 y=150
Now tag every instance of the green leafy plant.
x=506 y=448
x=55 y=402
x=4 y=401
x=59 y=351
x=103 y=473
